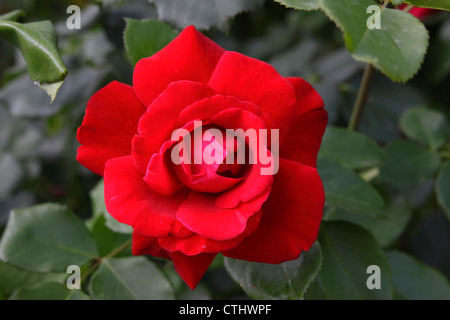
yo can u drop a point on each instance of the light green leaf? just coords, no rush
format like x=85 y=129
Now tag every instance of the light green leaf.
x=348 y=250
x=397 y=49
x=301 y=4
x=134 y=278
x=386 y=227
x=46 y=238
x=351 y=149
x=203 y=14
x=433 y=4
x=13 y=15
x=48 y=291
x=99 y=209
x=425 y=125
x=143 y=38
x=413 y=280
x=108 y=240
x=408 y=164
x=287 y=280
x=38 y=43
x=346 y=190
x=12 y=278
x=443 y=189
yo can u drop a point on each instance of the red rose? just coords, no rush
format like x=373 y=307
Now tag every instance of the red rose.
x=190 y=212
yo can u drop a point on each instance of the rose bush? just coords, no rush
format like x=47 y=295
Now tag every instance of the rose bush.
x=190 y=213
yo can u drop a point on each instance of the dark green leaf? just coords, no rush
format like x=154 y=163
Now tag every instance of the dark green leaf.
x=346 y=190
x=204 y=14
x=348 y=250
x=413 y=280
x=386 y=227
x=48 y=291
x=287 y=280
x=38 y=43
x=408 y=164
x=301 y=4
x=426 y=126
x=108 y=240
x=134 y=278
x=143 y=38
x=443 y=189
x=12 y=278
x=46 y=238
x=351 y=149
x=397 y=48
x=433 y=4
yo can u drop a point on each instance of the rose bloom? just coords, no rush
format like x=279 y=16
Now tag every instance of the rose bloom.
x=189 y=213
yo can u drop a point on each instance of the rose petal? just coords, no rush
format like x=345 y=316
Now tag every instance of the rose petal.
x=158 y=123
x=200 y=215
x=111 y=121
x=303 y=141
x=195 y=244
x=190 y=56
x=131 y=201
x=142 y=245
x=191 y=268
x=291 y=217
x=252 y=80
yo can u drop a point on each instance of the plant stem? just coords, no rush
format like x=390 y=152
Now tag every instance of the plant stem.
x=362 y=97
x=99 y=260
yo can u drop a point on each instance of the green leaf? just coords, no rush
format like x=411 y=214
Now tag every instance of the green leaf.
x=408 y=164
x=413 y=280
x=443 y=189
x=433 y=4
x=143 y=38
x=287 y=280
x=134 y=278
x=12 y=278
x=387 y=227
x=346 y=190
x=48 y=291
x=38 y=43
x=108 y=240
x=348 y=250
x=425 y=125
x=46 y=238
x=351 y=149
x=397 y=49
x=203 y=14
x=99 y=209
x=301 y=4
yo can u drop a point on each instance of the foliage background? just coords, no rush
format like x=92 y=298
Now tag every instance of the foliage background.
x=38 y=144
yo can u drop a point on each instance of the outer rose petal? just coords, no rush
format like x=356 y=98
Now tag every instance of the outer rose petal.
x=195 y=244
x=157 y=124
x=131 y=201
x=306 y=130
x=191 y=268
x=252 y=80
x=142 y=244
x=291 y=217
x=190 y=56
x=111 y=121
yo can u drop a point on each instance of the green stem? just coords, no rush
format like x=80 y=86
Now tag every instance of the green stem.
x=362 y=97
x=97 y=262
